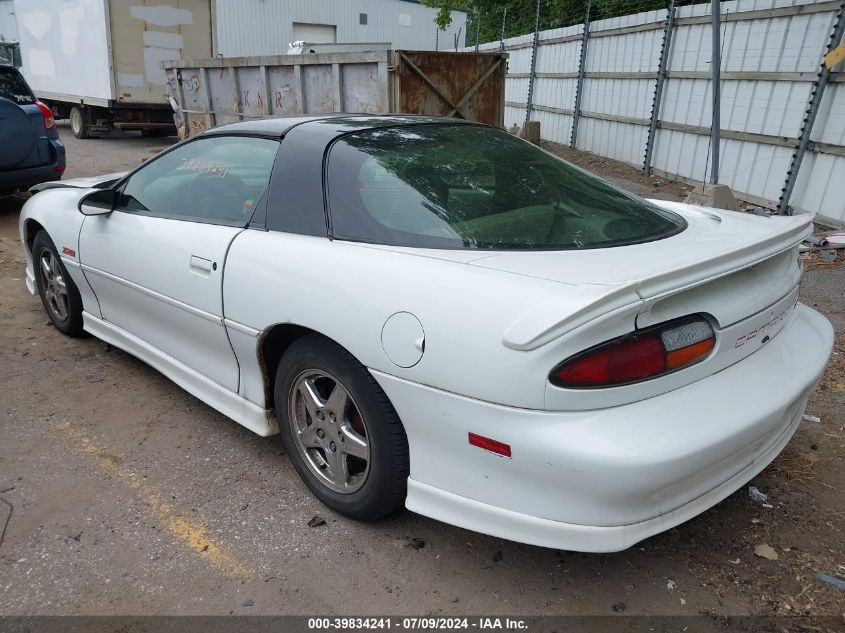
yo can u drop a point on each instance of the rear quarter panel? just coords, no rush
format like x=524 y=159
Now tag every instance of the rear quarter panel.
x=348 y=291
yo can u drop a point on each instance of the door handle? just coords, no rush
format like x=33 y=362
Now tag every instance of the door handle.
x=202 y=264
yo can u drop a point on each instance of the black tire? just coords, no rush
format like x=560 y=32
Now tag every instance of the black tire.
x=385 y=483
x=70 y=323
x=79 y=122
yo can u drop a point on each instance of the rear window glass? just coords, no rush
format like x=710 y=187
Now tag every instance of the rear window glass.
x=472 y=187
x=13 y=87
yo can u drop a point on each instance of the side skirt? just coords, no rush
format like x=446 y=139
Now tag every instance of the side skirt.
x=230 y=404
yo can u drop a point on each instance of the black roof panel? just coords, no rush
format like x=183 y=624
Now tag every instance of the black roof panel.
x=341 y=122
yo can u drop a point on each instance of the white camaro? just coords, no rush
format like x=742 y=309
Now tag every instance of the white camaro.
x=436 y=314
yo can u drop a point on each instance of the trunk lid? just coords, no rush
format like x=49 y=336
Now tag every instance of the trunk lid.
x=714 y=243
x=725 y=264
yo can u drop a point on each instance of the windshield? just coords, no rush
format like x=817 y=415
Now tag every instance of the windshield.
x=473 y=187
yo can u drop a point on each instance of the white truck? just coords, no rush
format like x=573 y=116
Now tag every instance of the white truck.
x=98 y=62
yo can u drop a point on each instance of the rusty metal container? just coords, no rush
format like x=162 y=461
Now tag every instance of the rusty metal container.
x=210 y=92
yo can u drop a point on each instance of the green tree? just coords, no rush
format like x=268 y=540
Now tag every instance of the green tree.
x=485 y=17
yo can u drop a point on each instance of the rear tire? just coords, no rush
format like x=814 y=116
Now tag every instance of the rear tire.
x=58 y=293
x=79 y=122
x=348 y=446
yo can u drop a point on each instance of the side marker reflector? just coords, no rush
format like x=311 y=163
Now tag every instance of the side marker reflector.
x=500 y=448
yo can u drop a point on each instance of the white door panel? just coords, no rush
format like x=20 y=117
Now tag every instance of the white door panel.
x=161 y=280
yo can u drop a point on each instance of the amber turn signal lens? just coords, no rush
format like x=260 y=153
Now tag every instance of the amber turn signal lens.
x=688 y=355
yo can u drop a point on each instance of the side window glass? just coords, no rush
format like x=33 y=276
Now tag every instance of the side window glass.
x=218 y=180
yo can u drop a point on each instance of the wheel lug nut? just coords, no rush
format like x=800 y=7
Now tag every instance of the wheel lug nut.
x=332 y=447
x=320 y=433
x=340 y=437
x=320 y=416
x=331 y=417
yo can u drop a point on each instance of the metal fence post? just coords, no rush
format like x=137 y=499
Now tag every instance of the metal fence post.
x=716 y=82
x=582 y=65
x=810 y=116
x=533 y=72
x=662 y=69
x=502 y=38
x=477 y=30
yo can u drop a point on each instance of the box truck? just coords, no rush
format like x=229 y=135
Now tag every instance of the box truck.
x=98 y=62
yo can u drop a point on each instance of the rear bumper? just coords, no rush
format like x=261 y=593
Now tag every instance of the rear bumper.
x=25 y=178
x=603 y=480
x=22 y=179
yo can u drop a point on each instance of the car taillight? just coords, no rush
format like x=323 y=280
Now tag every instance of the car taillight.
x=639 y=356
x=47 y=113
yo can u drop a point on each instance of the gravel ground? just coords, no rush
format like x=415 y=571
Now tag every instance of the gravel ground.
x=130 y=496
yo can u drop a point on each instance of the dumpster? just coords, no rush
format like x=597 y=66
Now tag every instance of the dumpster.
x=206 y=93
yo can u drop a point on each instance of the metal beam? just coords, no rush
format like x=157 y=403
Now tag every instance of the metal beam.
x=579 y=88
x=757 y=14
x=280 y=60
x=616 y=118
x=543 y=108
x=533 y=63
x=733 y=135
x=716 y=88
x=662 y=65
x=752 y=76
x=553 y=40
x=542 y=75
x=810 y=117
x=837 y=77
x=636 y=28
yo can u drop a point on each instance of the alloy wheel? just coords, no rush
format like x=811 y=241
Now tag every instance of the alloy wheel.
x=53 y=284
x=329 y=431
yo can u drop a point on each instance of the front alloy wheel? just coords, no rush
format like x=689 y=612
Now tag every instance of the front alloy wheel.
x=58 y=293
x=54 y=285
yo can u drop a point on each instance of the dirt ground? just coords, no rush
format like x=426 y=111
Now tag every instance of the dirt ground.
x=129 y=496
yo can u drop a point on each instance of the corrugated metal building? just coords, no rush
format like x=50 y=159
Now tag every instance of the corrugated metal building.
x=266 y=27
x=8 y=24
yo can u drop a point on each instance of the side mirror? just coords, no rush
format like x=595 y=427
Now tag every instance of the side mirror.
x=99 y=202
